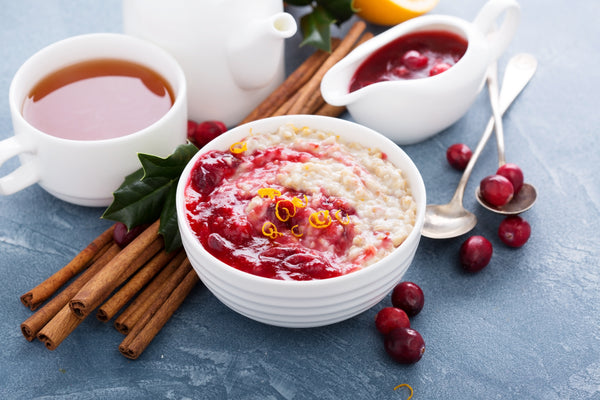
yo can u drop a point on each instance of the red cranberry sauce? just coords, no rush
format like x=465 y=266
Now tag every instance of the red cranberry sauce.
x=279 y=233
x=413 y=56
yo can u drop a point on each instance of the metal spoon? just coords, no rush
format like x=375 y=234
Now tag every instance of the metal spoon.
x=526 y=197
x=451 y=220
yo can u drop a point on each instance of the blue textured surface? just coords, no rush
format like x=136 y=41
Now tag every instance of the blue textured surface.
x=527 y=327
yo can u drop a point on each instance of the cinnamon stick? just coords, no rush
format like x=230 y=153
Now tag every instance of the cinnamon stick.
x=36 y=296
x=330 y=111
x=303 y=105
x=134 y=285
x=314 y=102
x=59 y=327
x=97 y=289
x=131 y=315
x=136 y=342
x=161 y=295
x=32 y=325
x=317 y=105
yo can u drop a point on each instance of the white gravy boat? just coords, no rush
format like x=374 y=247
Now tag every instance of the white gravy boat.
x=410 y=111
x=231 y=51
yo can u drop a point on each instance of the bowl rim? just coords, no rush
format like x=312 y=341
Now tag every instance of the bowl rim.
x=325 y=123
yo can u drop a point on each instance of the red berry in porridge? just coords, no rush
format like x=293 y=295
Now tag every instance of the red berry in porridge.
x=409 y=297
x=458 y=156
x=298 y=204
x=514 y=231
x=475 y=253
x=496 y=190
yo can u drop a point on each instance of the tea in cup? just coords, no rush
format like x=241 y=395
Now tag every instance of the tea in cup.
x=84 y=107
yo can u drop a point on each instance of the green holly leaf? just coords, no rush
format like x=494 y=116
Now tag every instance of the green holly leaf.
x=168 y=222
x=170 y=167
x=316 y=25
x=340 y=10
x=149 y=193
x=316 y=29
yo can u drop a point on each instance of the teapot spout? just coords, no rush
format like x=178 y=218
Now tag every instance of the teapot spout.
x=255 y=52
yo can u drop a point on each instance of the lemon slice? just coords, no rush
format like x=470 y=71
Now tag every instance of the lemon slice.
x=392 y=12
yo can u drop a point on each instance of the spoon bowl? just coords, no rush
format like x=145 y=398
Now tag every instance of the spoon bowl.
x=522 y=202
x=447 y=220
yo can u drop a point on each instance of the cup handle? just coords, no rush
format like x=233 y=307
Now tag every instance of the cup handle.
x=21 y=177
x=486 y=20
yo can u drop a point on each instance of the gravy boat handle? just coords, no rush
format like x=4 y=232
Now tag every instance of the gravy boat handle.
x=486 y=21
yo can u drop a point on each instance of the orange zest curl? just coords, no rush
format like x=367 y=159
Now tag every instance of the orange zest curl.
x=238 y=147
x=343 y=221
x=320 y=219
x=270 y=230
x=299 y=203
x=296 y=231
x=268 y=192
x=288 y=214
x=409 y=388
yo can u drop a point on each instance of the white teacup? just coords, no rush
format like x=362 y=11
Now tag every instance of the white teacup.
x=87 y=172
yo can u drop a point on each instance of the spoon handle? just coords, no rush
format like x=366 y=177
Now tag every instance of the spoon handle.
x=492 y=79
x=518 y=73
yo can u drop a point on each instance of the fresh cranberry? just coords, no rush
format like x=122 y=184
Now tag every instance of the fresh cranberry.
x=389 y=318
x=122 y=236
x=405 y=345
x=409 y=297
x=475 y=253
x=206 y=131
x=414 y=60
x=458 y=155
x=514 y=174
x=439 y=68
x=496 y=190
x=514 y=231
x=191 y=129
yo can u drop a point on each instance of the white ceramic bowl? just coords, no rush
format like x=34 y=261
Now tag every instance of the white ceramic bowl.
x=304 y=303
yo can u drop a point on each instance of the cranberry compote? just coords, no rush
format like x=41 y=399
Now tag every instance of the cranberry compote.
x=270 y=239
x=413 y=56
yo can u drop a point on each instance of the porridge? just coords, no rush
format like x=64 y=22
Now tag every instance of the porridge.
x=298 y=204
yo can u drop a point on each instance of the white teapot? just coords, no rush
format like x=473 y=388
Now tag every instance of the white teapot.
x=231 y=51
